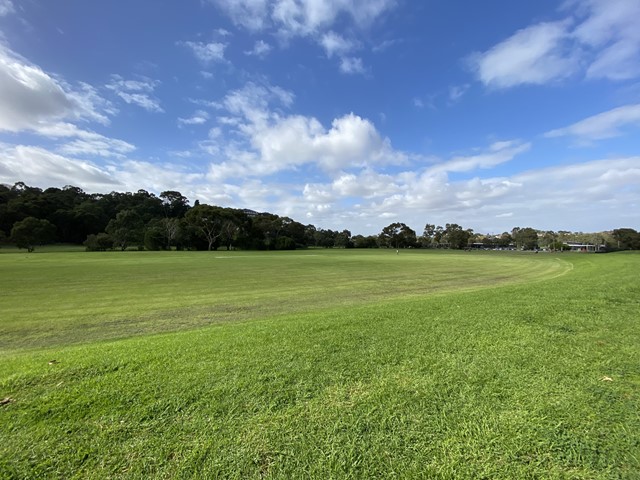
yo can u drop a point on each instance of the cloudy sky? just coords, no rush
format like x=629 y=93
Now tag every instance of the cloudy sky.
x=340 y=113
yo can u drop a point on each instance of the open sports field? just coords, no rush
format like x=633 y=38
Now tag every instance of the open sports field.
x=319 y=364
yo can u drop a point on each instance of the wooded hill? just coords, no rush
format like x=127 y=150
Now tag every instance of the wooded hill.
x=30 y=216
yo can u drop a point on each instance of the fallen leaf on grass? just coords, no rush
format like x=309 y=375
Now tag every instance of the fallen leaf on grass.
x=6 y=401
x=607 y=379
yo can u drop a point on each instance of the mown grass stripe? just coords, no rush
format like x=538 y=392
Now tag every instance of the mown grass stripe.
x=505 y=381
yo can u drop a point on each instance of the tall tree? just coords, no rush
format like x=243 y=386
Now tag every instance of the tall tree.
x=627 y=238
x=32 y=231
x=456 y=236
x=360 y=241
x=170 y=230
x=505 y=240
x=325 y=238
x=208 y=222
x=126 y=228
x=525 y=238
x=343 y=239
x=397 y=235
x=175 y=204
x=428 y=235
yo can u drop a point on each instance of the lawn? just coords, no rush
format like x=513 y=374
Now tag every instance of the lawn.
x=319 y=364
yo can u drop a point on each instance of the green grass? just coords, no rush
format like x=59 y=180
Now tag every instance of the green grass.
x=340 y=365
x=52 y=300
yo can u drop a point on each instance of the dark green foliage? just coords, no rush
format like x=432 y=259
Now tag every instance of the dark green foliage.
x=126 y=229
x=433 y=237
x=76 y=215
x=559 y=246
x=505 y=240
x=32 y=231
x=324 y=238
x=285 y=243
x=525 y=238
x=343 y=239
x=627 y=239
x=456 y=236
x=154 y=239
x=207 y=222
x=397 y=235
x=175 y=205
x=360 y=241
x=98 y=243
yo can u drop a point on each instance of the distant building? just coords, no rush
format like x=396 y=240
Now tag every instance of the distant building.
x=585 y=247
x=250 y=213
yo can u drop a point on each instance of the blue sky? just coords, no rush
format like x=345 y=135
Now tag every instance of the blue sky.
x=340 y=113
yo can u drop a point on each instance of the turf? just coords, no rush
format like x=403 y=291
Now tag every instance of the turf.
x=63 y=298
x=340 y=365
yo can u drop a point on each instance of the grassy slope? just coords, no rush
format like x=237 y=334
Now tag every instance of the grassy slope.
x=63 y=298
x=484 y=383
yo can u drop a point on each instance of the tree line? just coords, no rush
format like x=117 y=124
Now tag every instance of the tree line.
x=30 y=216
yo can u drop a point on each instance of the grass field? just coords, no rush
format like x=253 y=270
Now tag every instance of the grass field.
x=319 y=364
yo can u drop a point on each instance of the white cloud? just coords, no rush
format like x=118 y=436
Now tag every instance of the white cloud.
x=34 y=101
x=198 y=118
x=617 y=62
x=335 y=44
x=98 y=146
x=533 y=55
x=313 y=19
x=137 y=92
x=591 y=196
x=600 y=38
x=260 y=49
x=6 y=8
x=456 y=92
x=498 y=152
x=30 y=97
x=611 y=29
x=135 y=174
x=144 y=84
x=350 y=142
x=251 y=103
x=429 y=190
x=207 y=53
x=142 y=100
x=269 y=141
x=86 y=143
x=585 y=196
x=385 y=45
x=91 y=106
x=593 y=184
x=603 y=125
x=250 y=14
x=367 y=184
x=304 y=17
x=351 y=65
x=43 y=167
x=415 y=197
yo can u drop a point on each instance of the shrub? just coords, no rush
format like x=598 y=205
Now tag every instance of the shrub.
x=98 y=243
